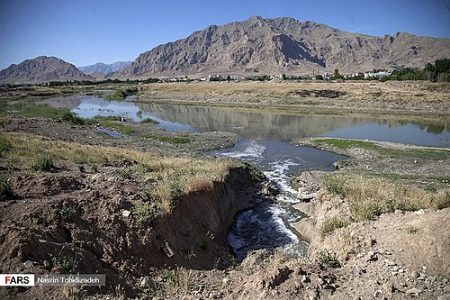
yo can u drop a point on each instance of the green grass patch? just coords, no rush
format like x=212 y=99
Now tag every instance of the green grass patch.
x=168 y=139
x=42 y=163
x=121 y=94
x=329 y=225
x=143 y=212
x=40 y=111
x=111 y=123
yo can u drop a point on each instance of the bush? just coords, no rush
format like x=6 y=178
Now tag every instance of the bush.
x=67 y=213
x=42 y=163
x=143 y=212
x=334 y=185
x=70 y=117
x=5 y=146
x=329 y=259
x=66 y=264
x=331 y=224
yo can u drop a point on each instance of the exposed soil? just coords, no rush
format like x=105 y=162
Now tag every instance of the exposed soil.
x=88 y=219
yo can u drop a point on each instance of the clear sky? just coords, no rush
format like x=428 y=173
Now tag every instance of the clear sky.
x=84 y=32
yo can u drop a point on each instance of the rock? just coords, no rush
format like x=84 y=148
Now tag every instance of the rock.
x=305 y=196
x=306 y=228
x=126 y=213
x=413 y=291
x=388 y=288
x=414 y=274
x=444 y=297
x=281 y=276
x=28 y=264
x=305 y=279
x=145 y=282
x=419 y=212
x=371 y=242
x=371 y=256
x=390 y=263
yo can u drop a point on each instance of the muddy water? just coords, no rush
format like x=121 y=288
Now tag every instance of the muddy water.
x=265 y=143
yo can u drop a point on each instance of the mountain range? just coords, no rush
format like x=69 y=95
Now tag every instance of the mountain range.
x=105 y=68
x=253 y=46
x=283 y=45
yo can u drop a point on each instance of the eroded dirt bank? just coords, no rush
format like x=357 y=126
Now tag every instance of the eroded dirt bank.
x=108 y=210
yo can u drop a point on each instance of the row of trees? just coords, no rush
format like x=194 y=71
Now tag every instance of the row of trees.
x=437 y=72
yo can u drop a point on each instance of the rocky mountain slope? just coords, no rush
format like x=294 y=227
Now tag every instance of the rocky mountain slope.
x=283 y=45
x=105 y=68
x=42 y=69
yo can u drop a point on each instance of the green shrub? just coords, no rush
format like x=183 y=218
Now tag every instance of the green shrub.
x=411 y=229
x=143 y=212
x=329 y=225
x=334 y=184
x=70 y=117
x=117 y=95
x=66 y=264
x=42 y=163
x=329 y=259
x=366 y=209
x=67 y=213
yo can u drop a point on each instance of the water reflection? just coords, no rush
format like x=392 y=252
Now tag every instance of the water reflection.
x=287 y=127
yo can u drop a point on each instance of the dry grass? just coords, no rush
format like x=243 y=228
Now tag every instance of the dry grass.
x=171 y=176
x=280 y=92
x=369 y=196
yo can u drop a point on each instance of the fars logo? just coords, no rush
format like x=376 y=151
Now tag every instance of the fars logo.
x=16 y=279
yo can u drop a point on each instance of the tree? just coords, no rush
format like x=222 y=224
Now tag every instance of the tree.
x=336 y=74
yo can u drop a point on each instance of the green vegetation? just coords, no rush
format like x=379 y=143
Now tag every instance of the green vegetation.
x=148 y=121
x=5 y=146
x=117 y=95
x=143 y=212
x=413 y=153
x=67 y=213
x=66 y=264
x=168 y=139
x=370 y=196
x=329 y=259
x=6 y=191
x=113 y=123
x=411 y=229
x=42 y=163
x=329 y=225
x=121 y=94
x=31 y=110
x=72 y=118
x=40 y=111
x=170 y=177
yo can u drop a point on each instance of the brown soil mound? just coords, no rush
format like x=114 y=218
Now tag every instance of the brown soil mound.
x=78 y=222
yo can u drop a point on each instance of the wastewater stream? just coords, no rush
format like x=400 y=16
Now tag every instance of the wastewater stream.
x=266 y=138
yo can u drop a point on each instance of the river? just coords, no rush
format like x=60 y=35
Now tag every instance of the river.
x=266 y=138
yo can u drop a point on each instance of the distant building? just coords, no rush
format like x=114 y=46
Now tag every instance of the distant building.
x=378 y=75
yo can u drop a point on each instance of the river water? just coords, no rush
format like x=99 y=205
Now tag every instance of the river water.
x=265 y=142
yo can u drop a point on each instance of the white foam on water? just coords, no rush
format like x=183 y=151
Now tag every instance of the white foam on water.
x=277 y=213
x=279 y=174
x=252 y=150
